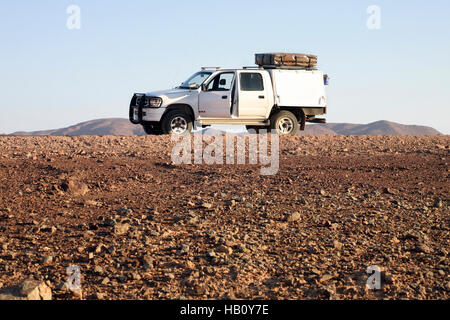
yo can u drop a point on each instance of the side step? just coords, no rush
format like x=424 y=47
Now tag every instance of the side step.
x=254 y=122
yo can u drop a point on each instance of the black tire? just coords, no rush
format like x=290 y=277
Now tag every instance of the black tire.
x=180 y=118
x=284 y=122
x=258 y=128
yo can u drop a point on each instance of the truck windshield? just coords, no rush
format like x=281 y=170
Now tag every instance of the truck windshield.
x=196 y=80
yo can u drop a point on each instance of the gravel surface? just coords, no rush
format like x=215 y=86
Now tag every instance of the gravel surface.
x=140 y=227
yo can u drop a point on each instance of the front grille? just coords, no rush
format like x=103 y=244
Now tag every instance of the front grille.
x=139 y=99
x=135 y=112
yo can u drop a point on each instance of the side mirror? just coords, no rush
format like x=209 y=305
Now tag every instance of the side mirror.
x=204 y=87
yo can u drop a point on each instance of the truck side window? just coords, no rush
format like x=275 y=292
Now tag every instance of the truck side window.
x=221 y=82
x=251 y=82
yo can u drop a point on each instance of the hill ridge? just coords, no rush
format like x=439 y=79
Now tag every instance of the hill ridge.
x=122 y=127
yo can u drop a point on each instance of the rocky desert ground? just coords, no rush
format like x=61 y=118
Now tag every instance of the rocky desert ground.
x=140 y=227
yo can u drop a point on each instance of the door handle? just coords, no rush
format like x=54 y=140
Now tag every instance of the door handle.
x=224 y=97
x=261 y=97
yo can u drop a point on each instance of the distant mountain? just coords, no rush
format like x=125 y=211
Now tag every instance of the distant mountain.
x=375 y=128
x=111 y=126
x=123 y=127
x=316 y=129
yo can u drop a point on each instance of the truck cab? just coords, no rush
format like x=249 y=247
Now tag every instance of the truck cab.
x=258 y=98
x=235 y=94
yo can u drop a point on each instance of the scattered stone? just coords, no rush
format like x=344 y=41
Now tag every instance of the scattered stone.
x=75 y=187
x=387 y=190
x=437 y=203
x=421 y=247
x=109 y=222
x=242 y=248
x=50 y=229
x=250 y=237
x=92 y=203
x=77 y=293
x=207 y=205
x=99 y=248
x=411 y=234
x=168 y=277
x=395 y=240
x=294 y=217
x=326 y=278
x=315 y=271
x=27 y=290
x=289 y=280
x=98 y=269
x=136 y=276
x=224 y=249
x=47 y=260
x=147 y=261
x=121 y=228
x=231 y=203
x=210 y=233
x=337 y=245
x=184 y=248
x=153 y=233
x=177 y=219
x=124 y=211
x=192 y=219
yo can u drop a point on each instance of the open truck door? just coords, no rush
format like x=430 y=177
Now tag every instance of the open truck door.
x=215 y=98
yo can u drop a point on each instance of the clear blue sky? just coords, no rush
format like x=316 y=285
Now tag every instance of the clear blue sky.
x=53 y=77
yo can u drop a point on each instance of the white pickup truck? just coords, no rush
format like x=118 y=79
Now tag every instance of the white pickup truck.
x=283 y=99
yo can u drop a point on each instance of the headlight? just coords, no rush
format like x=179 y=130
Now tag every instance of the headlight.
x=154 y=102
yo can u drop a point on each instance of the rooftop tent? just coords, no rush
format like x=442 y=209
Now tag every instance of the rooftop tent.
x=286 y=59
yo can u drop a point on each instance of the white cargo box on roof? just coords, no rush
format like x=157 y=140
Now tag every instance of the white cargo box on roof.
x=293 y=88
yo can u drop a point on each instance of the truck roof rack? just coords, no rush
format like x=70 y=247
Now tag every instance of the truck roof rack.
x=252 y=67
x=209 y=68
x=288 y=67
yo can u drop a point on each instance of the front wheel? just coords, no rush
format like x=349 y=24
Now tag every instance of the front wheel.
x=285 y=122
x=176 y=122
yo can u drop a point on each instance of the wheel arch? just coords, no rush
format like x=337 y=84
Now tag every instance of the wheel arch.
x=297 y=111
x=181 y=106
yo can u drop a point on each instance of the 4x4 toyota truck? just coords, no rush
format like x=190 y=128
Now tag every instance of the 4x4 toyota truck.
x=283 y=99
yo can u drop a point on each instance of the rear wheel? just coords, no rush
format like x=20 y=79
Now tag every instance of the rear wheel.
x=176 y=122
x=285 y=122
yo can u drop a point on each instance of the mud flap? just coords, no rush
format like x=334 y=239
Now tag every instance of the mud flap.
x=303 y=123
